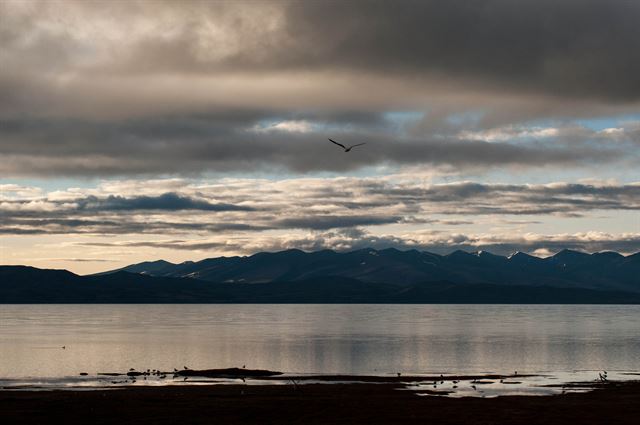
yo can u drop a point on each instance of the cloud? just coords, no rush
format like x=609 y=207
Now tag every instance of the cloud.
x=140 y=88
x=323 y=222
x=503 y=244
x=195 y=145
x=252 y=206
x=78 y=260
x=529 y=45
x=167 y=202
x=526 y=45
x=118 y=226
x=291 y=126
x=10 y=191
x=513 y=133
x=197 y=91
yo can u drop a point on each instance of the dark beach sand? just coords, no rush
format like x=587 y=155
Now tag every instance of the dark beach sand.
x=614 y=403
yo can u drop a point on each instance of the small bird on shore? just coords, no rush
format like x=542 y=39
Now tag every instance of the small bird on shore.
x=64 y=347
x=346 y=149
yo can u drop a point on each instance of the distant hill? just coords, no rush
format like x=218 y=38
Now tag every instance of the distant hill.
x=568 y=269
x=20 y=284
x=364 y=276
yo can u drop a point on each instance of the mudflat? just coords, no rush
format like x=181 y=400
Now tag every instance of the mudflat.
x=365 y=403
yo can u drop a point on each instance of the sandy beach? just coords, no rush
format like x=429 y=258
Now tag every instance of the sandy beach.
x=314 y=404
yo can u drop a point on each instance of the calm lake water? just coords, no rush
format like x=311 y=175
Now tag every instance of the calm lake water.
x=353 y=339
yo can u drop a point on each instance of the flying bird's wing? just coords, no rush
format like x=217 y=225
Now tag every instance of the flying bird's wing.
x=359 y=144
x=339 y=144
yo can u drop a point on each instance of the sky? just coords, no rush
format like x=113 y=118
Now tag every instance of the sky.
x=140 y=130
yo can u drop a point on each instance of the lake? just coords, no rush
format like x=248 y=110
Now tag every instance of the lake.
x=349 y=339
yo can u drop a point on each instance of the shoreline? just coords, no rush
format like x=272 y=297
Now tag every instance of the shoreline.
x=336 y=403
x=458 y=385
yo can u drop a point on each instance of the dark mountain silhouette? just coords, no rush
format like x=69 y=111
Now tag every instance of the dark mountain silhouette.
x=150 y=267
x=20 y=284
x=570 y=269
x=363 y=276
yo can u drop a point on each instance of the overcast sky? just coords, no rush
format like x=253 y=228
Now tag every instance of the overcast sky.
x=134 y=131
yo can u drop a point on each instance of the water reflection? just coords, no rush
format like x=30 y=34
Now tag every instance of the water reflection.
x=351 y=339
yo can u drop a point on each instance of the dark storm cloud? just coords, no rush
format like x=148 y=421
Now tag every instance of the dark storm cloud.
x=126 y=88
x=164 y=202
x=582 y=48
x=190 y=145
x=571 y=47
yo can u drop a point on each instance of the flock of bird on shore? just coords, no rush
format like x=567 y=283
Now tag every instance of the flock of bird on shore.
x=133 y=374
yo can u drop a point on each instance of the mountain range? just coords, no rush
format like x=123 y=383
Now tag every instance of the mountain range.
x=604 y=270
x=365 y=275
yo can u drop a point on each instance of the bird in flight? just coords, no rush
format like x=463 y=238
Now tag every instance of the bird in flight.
x=346 y=149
